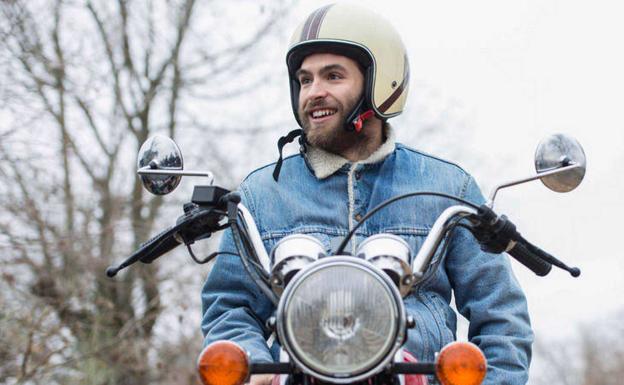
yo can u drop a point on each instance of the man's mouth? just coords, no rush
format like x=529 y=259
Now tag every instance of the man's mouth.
x=322 y=114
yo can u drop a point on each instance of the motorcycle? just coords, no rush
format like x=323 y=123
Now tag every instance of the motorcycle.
x=351 y=328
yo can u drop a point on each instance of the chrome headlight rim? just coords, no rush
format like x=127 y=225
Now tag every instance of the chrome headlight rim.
x=398 y=339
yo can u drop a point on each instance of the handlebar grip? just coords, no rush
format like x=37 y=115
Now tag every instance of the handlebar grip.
x=531 y=257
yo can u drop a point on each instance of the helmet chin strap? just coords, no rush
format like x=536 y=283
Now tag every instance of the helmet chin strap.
x=284 y=140
x=355 y=120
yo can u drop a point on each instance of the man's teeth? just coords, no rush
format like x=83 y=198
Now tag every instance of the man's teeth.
x=321 y=113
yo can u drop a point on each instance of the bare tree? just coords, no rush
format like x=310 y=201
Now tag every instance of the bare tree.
x=591 y=357
x=83 y=84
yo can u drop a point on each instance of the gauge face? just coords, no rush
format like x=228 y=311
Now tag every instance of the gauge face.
x=340 y=319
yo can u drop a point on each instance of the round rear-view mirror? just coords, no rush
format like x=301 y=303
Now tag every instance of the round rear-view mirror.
x=160 y=153
x=558 y=151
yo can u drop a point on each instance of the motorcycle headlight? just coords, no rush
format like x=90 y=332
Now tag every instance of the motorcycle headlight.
x=341 y=318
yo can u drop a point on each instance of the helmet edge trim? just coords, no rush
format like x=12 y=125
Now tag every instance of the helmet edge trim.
x=368 y=95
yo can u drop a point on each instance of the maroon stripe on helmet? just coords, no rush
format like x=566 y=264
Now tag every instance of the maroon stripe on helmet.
x=397 y=93
x=306 y=27
x=318 y=20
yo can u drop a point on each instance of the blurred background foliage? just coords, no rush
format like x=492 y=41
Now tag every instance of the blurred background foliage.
x=83 y=83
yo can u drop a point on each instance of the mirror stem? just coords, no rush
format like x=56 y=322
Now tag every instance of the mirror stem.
x=553 y=171
x=147 y=170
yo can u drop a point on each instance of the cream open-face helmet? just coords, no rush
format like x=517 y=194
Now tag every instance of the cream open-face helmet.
x=362 y=35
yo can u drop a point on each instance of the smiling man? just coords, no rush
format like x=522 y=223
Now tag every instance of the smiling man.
x=330 y=87
x=348 y=75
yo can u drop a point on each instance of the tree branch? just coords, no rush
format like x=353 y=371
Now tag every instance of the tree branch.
x=234 y=53
x=32 y=210
x=114 y=69
x=92 y=125
x=59 y=74
x=123 y=13
x=182 y=27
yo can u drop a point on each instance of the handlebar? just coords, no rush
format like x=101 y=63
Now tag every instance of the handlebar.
x=150 y=250
x=531 y=257
x=547 y=258
x=495 y=234
x=195 y=224
x=436 y=234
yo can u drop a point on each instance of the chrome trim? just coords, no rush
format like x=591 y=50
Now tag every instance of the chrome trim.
x=490 y=202
x=291 y=254
x=255 y=238
x=297 y=245
x=436 y=234
x=147 y=170
x=391 y=254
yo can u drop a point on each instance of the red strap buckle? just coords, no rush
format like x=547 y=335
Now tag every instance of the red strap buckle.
x=359 y=122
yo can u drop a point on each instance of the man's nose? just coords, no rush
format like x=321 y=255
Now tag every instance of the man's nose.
x=317 y=90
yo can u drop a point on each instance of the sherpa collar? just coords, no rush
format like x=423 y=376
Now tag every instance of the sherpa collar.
x=325 y=163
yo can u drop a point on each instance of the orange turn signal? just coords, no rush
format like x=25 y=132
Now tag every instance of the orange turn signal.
x=461 y=363
x=223 y=363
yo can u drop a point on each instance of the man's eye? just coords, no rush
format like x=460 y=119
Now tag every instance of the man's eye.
x=303 y=81
x=334 y=76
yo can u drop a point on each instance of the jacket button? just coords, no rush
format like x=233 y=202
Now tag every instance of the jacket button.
x=358 y=175
x=358 y=217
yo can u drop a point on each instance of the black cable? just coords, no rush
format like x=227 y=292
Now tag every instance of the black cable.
x=262 y=285
x=258 y=280
x=209 y=257
x=262 y=274
x=242 y=227
x=442 y=254
x=466 y=226
x=392 y=200
x=436 y=263
x=255 y=259
x=259 y=268
x=241 y=246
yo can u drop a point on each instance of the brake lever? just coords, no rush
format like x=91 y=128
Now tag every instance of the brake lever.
x=197 y=223
x=497 y=234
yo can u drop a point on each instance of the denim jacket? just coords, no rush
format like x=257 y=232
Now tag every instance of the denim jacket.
x=323 y=195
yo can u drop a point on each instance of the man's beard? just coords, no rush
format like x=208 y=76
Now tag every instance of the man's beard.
x=331 y=137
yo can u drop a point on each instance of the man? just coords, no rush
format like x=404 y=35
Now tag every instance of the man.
x=349 y=74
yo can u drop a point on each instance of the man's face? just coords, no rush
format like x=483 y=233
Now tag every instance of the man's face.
x=331 y=85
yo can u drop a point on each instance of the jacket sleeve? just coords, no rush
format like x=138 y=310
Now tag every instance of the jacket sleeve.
x=233 y=306
x=489 y=296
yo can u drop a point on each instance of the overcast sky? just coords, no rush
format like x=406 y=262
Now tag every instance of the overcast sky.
x=519 y=70
x=513 y=72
